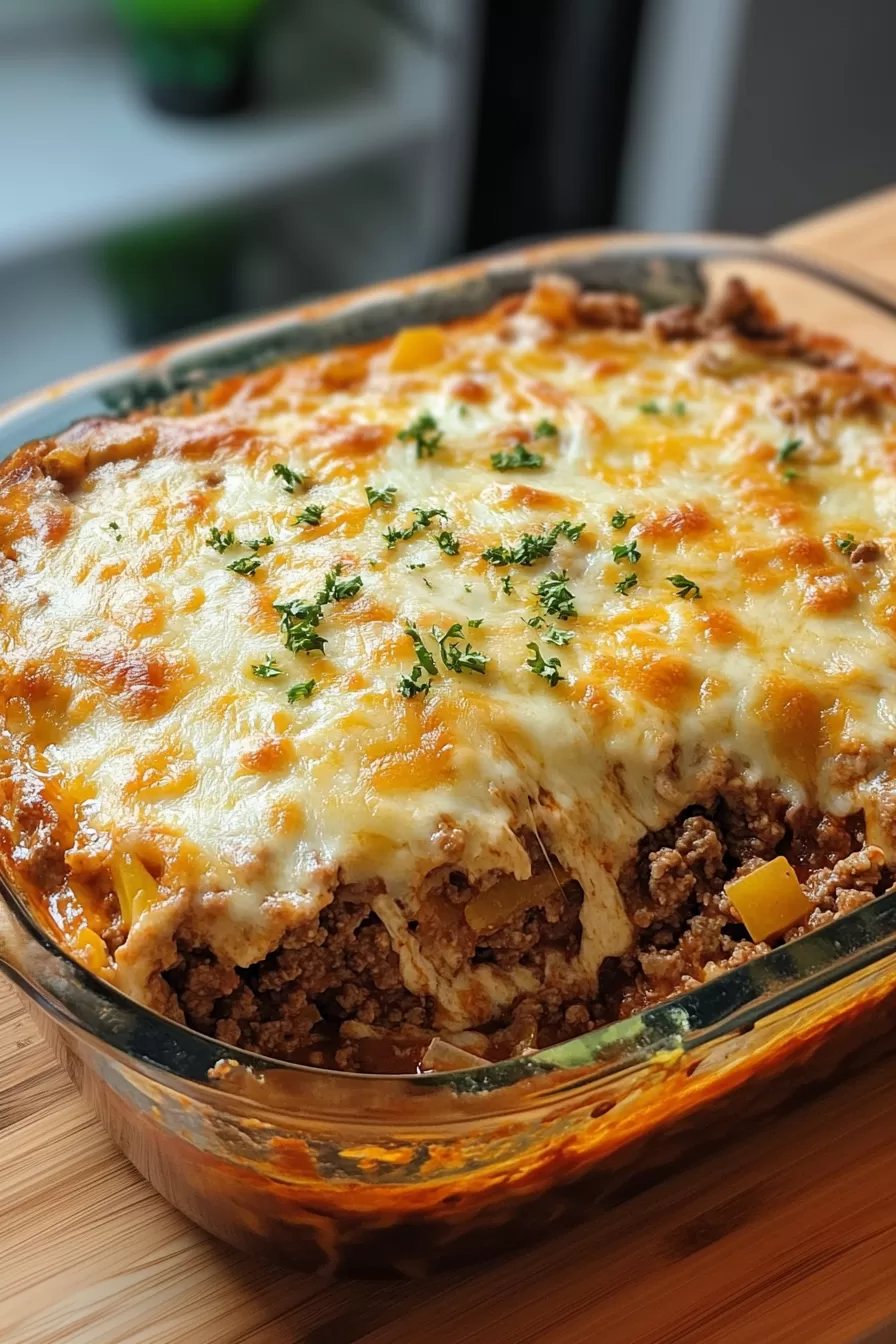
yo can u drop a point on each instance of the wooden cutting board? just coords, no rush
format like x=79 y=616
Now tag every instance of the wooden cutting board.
x=788 y=1234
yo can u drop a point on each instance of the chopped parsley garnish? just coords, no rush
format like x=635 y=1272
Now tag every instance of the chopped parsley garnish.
x=454 y=657
x=246 y=565
x=421 y=564
x=474 y=625
x=256 y=545
x=425 y=516
x=291 y=479
x=518 y=458
x=555 y=596
x=468 y=587
x=627 y=584
x=545 y=430
x=220 y=541
x=845 y=544
x=535 y=621
x=412 y=685
x=424 y=433
x=555 y=636
x=393 y=535
x=447 y=542
x=653 y=407
x=267 y=669
x=299 y=620
x=384 y=496
x=627 y=552
x=422 y=519
x=115 y=529
x=785 y=453
x=424 y=657
x=787 y=450
x=549 y=668
x=301 y=691
x=532 y=547
x=620 y=519
x=686 y=587
x=507 y=583
x=310 y=515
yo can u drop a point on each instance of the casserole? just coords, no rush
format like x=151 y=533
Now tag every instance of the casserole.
x=506 y=1110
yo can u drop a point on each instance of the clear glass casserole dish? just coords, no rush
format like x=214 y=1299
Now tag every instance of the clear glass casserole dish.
x=375 y=1174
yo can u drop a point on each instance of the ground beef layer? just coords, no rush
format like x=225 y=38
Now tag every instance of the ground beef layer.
x=332 y=993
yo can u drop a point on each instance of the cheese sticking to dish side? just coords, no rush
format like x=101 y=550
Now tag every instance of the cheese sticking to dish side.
x=440 y=688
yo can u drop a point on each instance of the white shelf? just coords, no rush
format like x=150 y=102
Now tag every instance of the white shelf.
x=81 y=154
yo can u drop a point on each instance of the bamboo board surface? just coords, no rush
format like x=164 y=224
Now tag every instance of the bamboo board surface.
x=789 y=1234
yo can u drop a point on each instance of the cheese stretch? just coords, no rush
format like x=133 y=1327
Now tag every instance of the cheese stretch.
x=626 y=557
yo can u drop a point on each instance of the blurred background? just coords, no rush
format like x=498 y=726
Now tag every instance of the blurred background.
x=165 y=164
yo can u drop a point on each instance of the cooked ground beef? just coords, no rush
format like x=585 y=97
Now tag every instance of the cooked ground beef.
x=674 y=889
x=332 y=993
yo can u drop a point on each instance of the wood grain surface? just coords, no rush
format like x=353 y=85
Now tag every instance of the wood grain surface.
x=788 y=1234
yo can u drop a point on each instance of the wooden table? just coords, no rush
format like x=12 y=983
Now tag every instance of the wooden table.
x=788 y=1234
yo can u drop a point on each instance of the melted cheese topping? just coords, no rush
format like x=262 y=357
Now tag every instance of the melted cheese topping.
x=129 y=645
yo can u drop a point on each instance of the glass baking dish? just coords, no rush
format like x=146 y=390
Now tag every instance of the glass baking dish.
x=367 y=1174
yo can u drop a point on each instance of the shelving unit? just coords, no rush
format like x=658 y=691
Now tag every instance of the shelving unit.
x=348 y=87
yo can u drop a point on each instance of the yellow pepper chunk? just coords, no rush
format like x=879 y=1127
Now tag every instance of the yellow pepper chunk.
x=769 y=900
x=135 y=887
x=90 y=950
x=416 y=348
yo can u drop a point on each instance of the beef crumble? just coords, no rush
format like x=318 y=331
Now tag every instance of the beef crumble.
x=332 y=993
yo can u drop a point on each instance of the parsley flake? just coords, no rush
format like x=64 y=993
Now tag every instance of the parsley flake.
x=651 y=407
x=679 y=408
x=629 y=551
x=310 y=515
x=627 y=584
x=246 y=565
x=686 y=587
x=384 y=496
x=555 y=596
x=620 y=519
x=549 y=668
x=424 y=657
x=115 y=529
x=256 y=545
x=518 y=458
x=845 y=544
x=412 y=685
x=447 y=542
x=425 y=516
x=291 y=479
x=474 y=625
x=506 y=583
x=299 y=619
x=424 y=433
x=267 y=669
x=301 y=691
x=454 y=657
x=422 y=519
x=785 y=453
x=220 y=541
x=555 y=636
x=532 y=547
x=545 y=430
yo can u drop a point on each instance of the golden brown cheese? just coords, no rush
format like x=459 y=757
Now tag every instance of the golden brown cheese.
x=645 y=546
